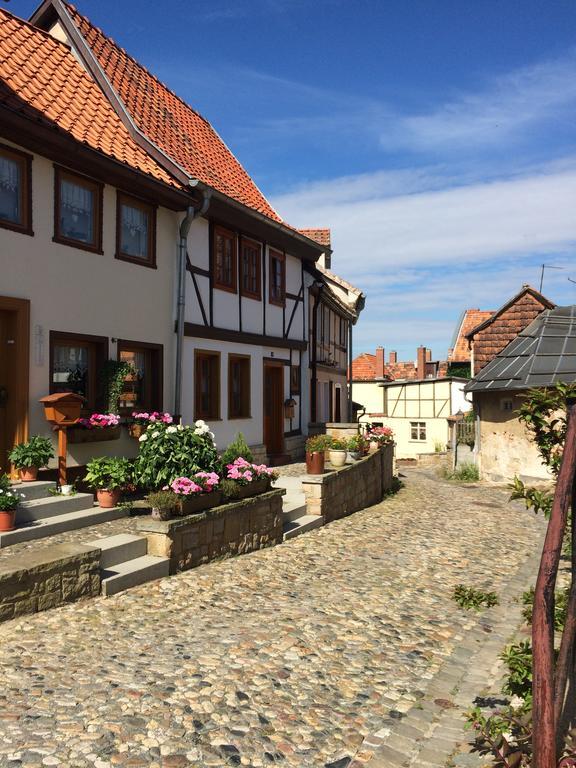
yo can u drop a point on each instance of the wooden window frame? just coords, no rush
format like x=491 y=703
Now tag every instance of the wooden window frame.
x=281 y=257
x=257 y=295
x=100 y=346
x=157 y=383
x=25 y=162
x=97 y=223
x=295 y=379
x=233 y=286
x=247 y=412
x=150 y=209
x=215 y=393
x=419 y=426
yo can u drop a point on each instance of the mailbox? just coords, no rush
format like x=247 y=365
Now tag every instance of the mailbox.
x=289 y=408
x=62 y=408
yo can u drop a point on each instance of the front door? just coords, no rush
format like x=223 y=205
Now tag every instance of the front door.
x=274 y=408
x=14 y=350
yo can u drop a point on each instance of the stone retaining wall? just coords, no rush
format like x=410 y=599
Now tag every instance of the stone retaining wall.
x=58 y=574
x=230 y=529
x=355 y=486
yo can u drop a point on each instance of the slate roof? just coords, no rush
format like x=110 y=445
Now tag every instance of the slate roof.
x=541 y=355
x=42 y=80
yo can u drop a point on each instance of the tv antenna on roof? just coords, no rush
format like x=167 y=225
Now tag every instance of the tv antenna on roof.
x=546 y=266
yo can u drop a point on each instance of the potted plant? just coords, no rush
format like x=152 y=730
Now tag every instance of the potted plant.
x=96 y=428
x=315 y=449
x=197 y=493
x=142 y=420
x=29 y=457
x=357 y=447
x=164 y=504
x=109 y=475
x=8 y=502
x=249 y=479
x=379 y=437
x=338 y=452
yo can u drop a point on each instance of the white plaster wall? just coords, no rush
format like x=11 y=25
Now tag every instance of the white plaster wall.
x=459 y=399
x=369 y=394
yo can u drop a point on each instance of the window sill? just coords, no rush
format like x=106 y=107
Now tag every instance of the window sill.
x=227 y=288
x=151 y=264
x=23 y=230
x=253 y=296
x=78 y=244
x=239 y=418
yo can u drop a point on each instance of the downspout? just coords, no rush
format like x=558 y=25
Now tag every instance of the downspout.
x=191 y=214
x=350 y=401
x=316 y=291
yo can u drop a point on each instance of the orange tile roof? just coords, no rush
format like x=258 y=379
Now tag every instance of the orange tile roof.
x=40 y=78
x=170 y=123
x=364 y=367
x=461 y=352
x=322 y=236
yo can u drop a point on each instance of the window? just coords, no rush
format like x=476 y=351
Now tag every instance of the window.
x=15 y=190
x=277 y=278
x=143 y=388
x=207 y=385
x=294 y=379
x=135 y=231
x=250 y=269
x=224 y=260
x=343 y=332
x=238 y=387
x=74 y=364
x=506 y=404
x=78 y=211
x=417 y=430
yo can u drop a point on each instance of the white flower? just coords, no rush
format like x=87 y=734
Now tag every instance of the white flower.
x=155 y=434
x=143 y=438
x=200 y=423
x=198 y=431
x=516 y=702
x=171 y=430
x=179 y=427
x=211 y=435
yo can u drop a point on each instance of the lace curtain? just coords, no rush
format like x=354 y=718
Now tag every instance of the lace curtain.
x=134 y=231
x=9 y=189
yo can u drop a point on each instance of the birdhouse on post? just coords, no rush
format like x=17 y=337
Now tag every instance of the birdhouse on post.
x=62 y=410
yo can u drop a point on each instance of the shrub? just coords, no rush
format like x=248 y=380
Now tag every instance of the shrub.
x=560 y=607
x=109 y=473
x=37 y=452
x=474 y=599
x=465 y=473
x=169 y=451
x=518 y=659
x=8 y=500
x=4 y=483
x=237 y=449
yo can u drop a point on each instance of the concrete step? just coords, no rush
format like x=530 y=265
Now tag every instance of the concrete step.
x=290 y=483
x=52 y=506
x=292 y=510
x=119 y=548
x=70 y=521
x=37 y=490
x=133 y=572
x=302 y=525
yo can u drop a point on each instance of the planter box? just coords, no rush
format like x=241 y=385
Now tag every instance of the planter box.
x=199 y=502
x=97 y=435
x=137 y=430
x=253 y=489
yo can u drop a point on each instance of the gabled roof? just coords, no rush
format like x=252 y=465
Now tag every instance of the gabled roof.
x=470 y=319
x=526 y=290
x=364 y=367
x=541 y=355
x=41 y=79
x=171 y=124
x=322 y=236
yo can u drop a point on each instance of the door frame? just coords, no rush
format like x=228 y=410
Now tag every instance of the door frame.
x=277 y=364
x=21 y=308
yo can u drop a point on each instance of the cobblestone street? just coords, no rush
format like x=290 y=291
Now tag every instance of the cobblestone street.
x=288 y=656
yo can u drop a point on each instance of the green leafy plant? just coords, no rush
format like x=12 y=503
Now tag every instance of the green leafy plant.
x=465 y=473
x=357 y=444
x=114 y=373
x=318 y=443
x=474 y=599
x=4 y=483
x=168 y=451
x=109 y=473
x=8 y=500
x=439 y=446
x=230 y=488
x=338 y=444
x=37 y=452
x=518 y=659
x=560 y=607
x=237 y=449
x=163 y=499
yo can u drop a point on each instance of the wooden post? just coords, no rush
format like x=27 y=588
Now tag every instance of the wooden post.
x=62 y=451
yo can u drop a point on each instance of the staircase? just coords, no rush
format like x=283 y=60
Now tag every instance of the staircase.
x=41 y=514
x=125 y=562
x=296 y=521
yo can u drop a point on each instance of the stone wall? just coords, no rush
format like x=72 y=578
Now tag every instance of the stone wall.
x=57 y=574
x=343 y=431
x=230 y=529
x=295 y=447
x=353 y=487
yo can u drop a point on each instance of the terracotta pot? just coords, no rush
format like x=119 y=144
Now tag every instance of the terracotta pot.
x=338 y=458
x=315 y=462
x=7 y=520
x=162 y=513
x=137 y=430
x=199 y=502
x=108 y=499
x=28 y=474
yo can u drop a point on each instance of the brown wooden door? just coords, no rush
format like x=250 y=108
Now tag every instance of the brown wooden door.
x=274 y=409
x=8 y=394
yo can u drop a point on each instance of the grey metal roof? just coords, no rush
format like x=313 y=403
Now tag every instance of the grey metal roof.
x=544 y=353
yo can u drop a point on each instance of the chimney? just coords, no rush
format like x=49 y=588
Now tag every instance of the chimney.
x=393 y=358
x=421 y=362
x=428 y=355
x=380 y=363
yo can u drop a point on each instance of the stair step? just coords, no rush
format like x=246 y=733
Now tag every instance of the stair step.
x=294 y=510
x=52 y=506
x=37 y=490
x=70 y=521
x=302 y=525
x=133 y=572
x=119 y=548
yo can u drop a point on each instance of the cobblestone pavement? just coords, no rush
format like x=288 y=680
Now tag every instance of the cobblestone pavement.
x=288 y=656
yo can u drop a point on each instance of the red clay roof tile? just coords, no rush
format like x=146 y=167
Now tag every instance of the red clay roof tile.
x=321 y=236
x=461 y=353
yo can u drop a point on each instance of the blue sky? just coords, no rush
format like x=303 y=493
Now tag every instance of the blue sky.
x=435 y=137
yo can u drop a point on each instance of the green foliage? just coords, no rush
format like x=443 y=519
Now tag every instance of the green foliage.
x=163 y=499
x=560 y=607
x=4 y=483
x=8 y=500
x=465 y=473
x=538 y=500
x=109 y=473
x=230 y=488
x=439 y=446
x=357 y=444
x=338 y=444
x=462 y=371
x=317 y=443
x=474 y=599
x=505 y=734
x=518 y=659
x=113 y=373
x=167 y=452
x=37 y=452
x=237 y=449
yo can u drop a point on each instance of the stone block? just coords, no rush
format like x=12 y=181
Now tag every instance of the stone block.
x=22 y=607
x=49 y=600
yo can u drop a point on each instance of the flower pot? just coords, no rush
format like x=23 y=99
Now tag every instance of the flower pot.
x=7 y=520
x=96 y=435
x=108 y=499
x=355 y=455
x=338 y=458
x=162 y=513
x=66 y=490
x=198 y=502
x=373 y=447
x=137 y=430
x=315 y=462
x=28 y=474
x=254 y=488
